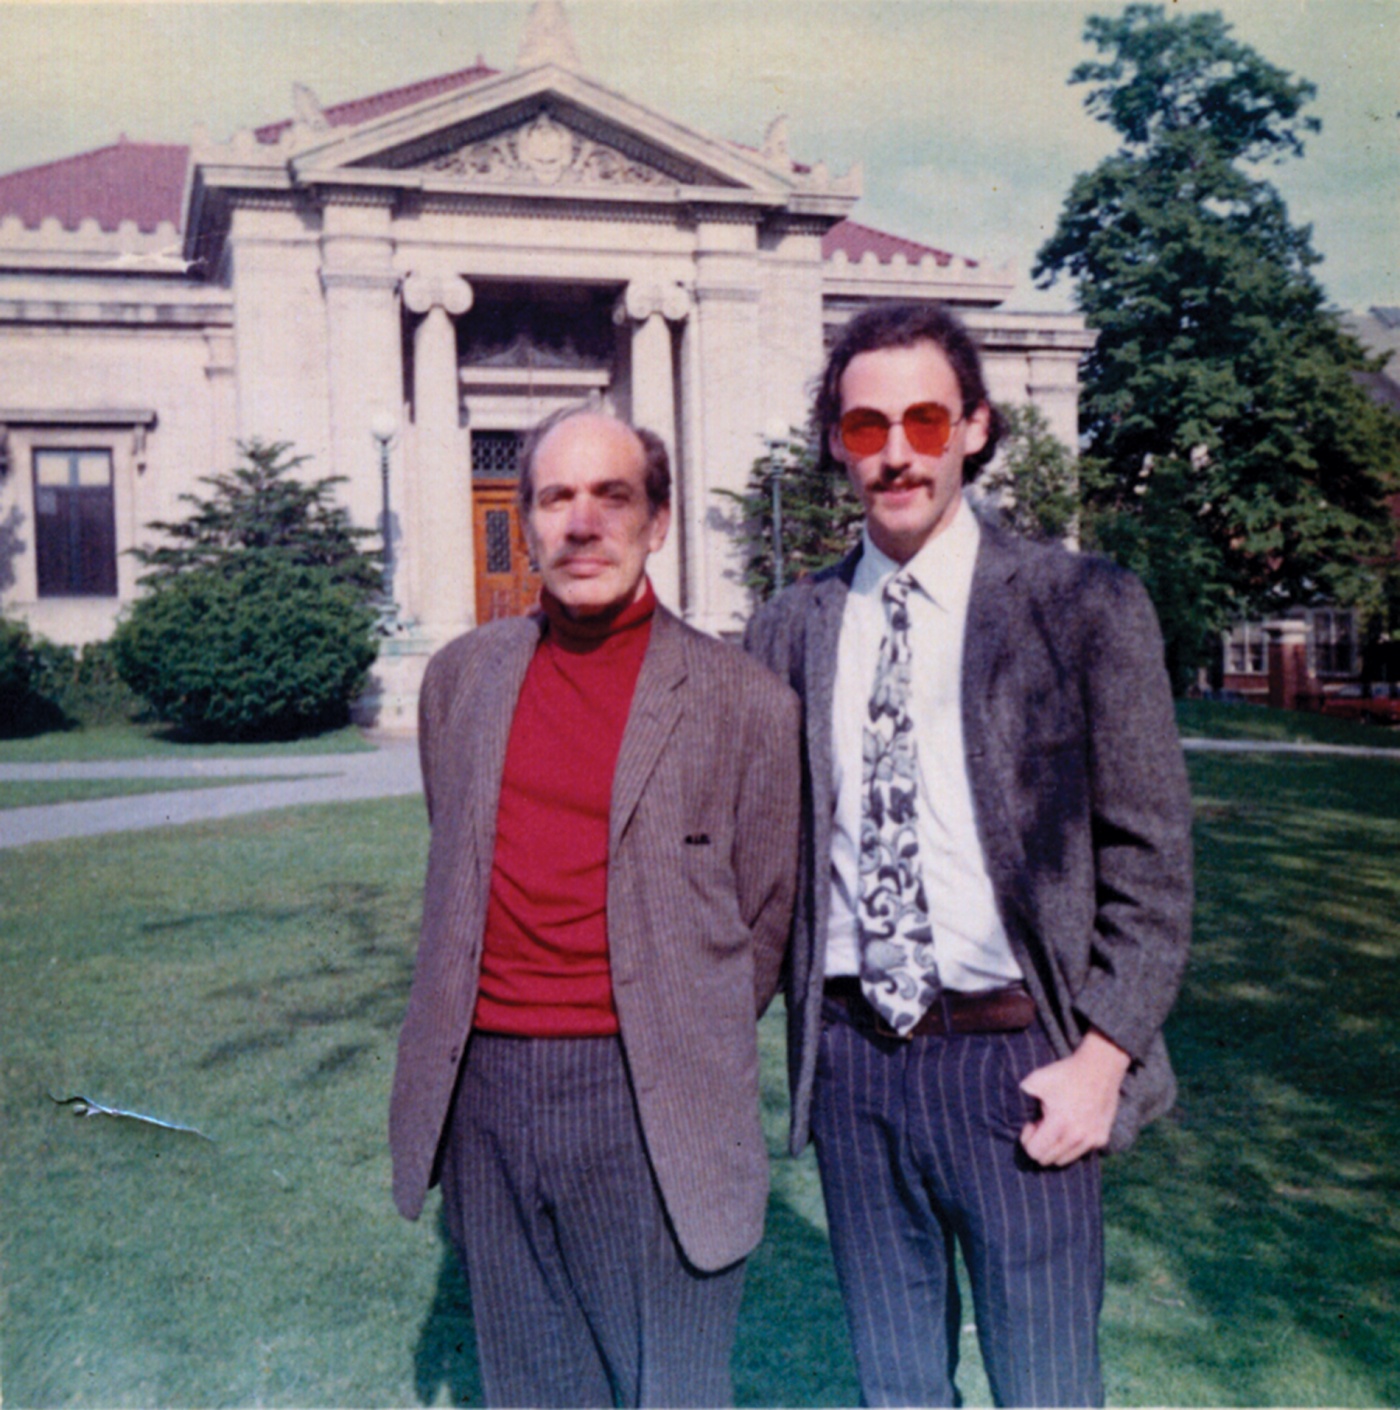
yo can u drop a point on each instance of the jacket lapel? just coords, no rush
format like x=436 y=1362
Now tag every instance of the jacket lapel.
x=655 y=713
x=820 y=649
x=483 y=713
x=985 y=640
x=987 y=651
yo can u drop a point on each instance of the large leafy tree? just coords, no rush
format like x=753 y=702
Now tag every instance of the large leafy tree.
x=1231 y=457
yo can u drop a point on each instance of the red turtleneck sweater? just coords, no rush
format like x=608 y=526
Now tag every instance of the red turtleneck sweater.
x=544 y=967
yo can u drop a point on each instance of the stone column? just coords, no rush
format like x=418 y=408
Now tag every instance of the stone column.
x=1288 y=663
x=724 y=378
x=649 y=308
x=441 y=575
x=364 y=362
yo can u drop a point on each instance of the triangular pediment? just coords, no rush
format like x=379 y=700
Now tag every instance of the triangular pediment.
x=553 y=147
x=545 y=129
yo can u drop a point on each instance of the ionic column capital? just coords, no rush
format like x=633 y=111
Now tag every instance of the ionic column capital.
x=643 y=299
x=449 y=292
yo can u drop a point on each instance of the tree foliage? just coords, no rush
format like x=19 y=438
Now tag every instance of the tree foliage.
x=26 y=704
x=1223 y=424
x=820 y=513
x=1033 y=481
x=258 y=617
x=259 y=506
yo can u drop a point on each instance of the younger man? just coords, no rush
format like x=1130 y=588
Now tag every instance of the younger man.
x=994 y=903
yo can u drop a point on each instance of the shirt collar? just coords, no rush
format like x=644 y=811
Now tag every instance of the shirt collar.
x=941 y=569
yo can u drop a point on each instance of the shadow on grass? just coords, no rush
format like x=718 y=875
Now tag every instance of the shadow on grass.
x=1271 y=1199
x=444 y=1359
x=365 y=980
x=791 y=1348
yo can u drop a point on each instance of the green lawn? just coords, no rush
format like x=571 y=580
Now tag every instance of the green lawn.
x=1210 y=719
x=133 y=741
x=248 y=978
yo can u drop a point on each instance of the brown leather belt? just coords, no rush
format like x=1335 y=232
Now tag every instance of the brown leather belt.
x=1007 y=1010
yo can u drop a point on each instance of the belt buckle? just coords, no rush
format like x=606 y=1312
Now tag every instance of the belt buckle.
x=887 y=1030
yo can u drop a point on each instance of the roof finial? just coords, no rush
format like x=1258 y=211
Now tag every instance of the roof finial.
x=775 y=142
x=548 y=38
x=307 y=107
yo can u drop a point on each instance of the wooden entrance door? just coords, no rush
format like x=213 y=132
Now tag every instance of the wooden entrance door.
x=506 y=585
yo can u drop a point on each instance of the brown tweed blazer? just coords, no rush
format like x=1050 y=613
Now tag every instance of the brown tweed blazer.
x=701 y=875
x=1078 y=788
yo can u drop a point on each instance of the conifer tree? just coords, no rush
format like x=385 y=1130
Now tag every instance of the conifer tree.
x=258 y=618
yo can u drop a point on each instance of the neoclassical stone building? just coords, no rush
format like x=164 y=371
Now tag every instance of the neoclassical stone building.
x=400 y=285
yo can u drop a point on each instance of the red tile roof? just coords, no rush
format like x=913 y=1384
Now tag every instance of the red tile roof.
x=138 y=181
x=390 y=101
x=145 y=181
x=855 y=240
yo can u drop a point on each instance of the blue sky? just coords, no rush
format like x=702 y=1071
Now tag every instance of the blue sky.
x=958 y=110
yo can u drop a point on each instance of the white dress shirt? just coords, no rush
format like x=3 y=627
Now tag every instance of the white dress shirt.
x=969 y=940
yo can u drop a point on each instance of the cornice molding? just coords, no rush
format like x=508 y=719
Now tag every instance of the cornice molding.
x=516 y=204
x=337 y=193
x=79 y=416
x=726 y=294
x=171 y=317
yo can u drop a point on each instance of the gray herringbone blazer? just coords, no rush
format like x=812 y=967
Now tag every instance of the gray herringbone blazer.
x=1078 y=787
x=701 y=874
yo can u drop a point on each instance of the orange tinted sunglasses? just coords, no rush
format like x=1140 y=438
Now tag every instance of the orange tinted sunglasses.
x=928 y=427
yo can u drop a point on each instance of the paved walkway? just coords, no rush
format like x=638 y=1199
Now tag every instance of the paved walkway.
x=1266 y=746
x=392 y=769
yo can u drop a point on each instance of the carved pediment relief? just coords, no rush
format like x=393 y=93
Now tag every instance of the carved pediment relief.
x=546 y=152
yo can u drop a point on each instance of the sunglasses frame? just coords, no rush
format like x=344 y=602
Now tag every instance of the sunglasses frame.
x=901 y=420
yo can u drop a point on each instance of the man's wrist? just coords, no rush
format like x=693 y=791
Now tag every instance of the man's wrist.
x=1102 y=1057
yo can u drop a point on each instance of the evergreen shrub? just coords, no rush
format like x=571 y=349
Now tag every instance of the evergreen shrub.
x=274 y=650
x=25 y=705
x=258 y=619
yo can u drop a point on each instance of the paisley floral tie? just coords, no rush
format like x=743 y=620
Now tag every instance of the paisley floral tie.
x=897 y=970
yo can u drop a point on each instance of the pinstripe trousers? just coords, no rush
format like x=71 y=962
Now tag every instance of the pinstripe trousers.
x=917 y=1148
x=580 y=1293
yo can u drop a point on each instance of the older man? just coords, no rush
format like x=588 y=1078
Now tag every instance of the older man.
x=995 y=903
x=614 y=802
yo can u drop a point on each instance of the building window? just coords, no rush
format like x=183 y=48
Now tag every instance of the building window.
x=495 y=454
x=1333 y=641
x=1246 y=650
x=75 y=523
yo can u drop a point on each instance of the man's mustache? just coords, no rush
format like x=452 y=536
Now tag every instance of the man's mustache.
x=900 y=482
x=591 y=555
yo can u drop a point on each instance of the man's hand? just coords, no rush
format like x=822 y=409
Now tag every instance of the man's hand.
x=1078 y=1100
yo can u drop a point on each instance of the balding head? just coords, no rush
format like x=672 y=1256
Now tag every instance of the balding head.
x=589 y=517
x=656 y=471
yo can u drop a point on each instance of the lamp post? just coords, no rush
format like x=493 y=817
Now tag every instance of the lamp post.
x=777 y=436
x=384 y=428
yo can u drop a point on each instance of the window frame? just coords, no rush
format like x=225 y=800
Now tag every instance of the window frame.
x=84 y=557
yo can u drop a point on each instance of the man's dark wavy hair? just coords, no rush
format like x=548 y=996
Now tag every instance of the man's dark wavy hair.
x=903 y=326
